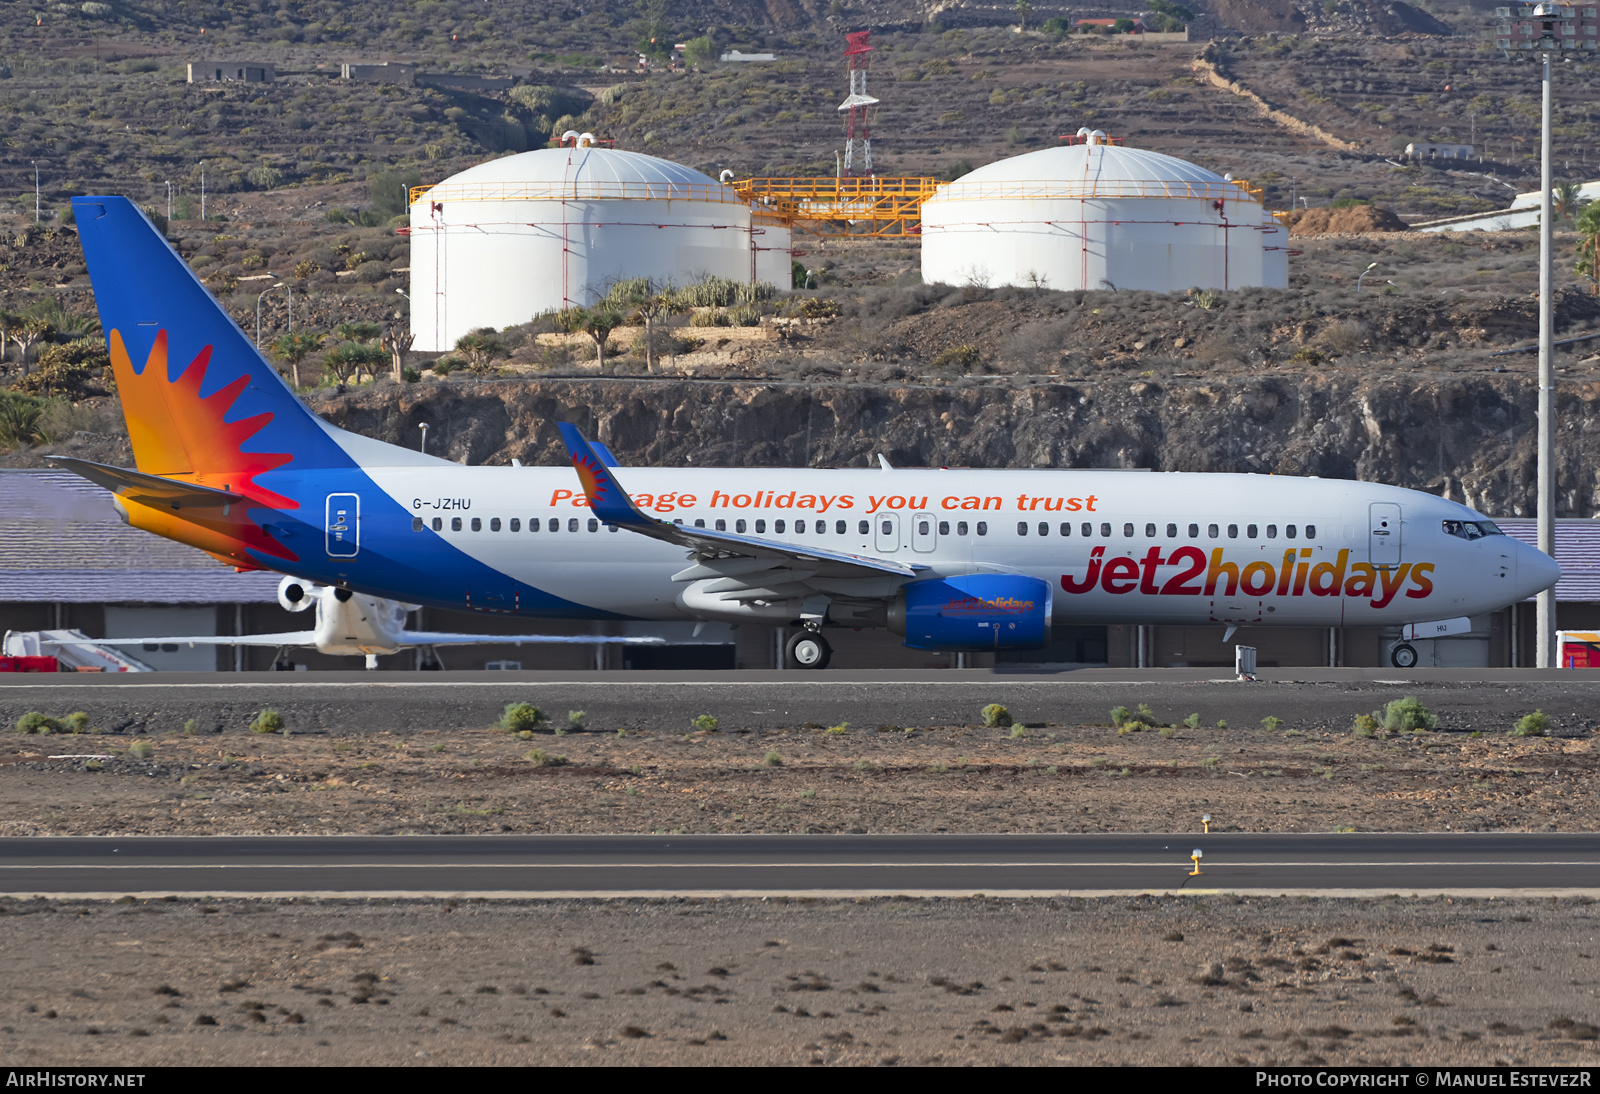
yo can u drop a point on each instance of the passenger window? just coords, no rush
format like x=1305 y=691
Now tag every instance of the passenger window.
x=1088 y=529
x=722 y=525
x=1022 y=527
x=888 y=527
x=1311 y=531
x=961 y=527
x=838 y=528
x=1105 y=531
x=1211 y=531
x=863 y=528
x=1150 y=531
x=533 y=524
x=1194 y=531
x=1066 y=529
x=455 y=524
x=613 y=527
x=1272 y=531
x=1127 y=531
x=778 y=526
x=1251 y=531
x=555 y=524
x=944 y=528
x=924 y=527
x=761 y=527
x=477 y=524
x=1172 y=531
x=572 y=524
x=1044 y=529
x=1233 y=531
x=1288 y=531
x=494 y=524
x=699 y=522
x=516 y=524
x=416 y=524
x=738 y=525
x=438 y=524
x=594 y=525
x=983 y=527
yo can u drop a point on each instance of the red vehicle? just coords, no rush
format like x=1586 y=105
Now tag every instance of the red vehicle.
x=29 y=664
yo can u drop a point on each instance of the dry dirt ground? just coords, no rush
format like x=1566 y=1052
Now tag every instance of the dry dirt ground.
x=1039 y=778
x=1213 y=980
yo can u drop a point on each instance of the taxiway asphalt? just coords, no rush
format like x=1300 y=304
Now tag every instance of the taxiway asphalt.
x=1464 y=864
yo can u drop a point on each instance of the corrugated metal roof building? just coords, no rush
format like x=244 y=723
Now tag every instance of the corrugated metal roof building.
x=61 y=542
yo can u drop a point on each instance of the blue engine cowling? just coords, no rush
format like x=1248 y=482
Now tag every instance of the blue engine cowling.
x=973 y=612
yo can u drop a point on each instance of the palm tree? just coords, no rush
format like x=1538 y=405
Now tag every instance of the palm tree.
x=1565 y=200
x=295 y=348
x=347 y=359
x=649 y=301
x=1589 y=243
x=597 y=323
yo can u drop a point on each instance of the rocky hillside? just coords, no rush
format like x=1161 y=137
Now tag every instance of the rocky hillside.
x=1467 y=438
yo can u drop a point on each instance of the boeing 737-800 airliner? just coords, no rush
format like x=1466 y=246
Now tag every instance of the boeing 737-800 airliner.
x=231 y=461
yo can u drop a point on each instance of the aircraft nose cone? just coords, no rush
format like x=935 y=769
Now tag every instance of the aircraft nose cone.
x=1536 y=571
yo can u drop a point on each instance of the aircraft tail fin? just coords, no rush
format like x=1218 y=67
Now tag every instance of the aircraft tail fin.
x=201 y=401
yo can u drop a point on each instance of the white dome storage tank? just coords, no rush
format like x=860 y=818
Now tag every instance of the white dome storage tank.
x=1096 y=215
x=512 y=238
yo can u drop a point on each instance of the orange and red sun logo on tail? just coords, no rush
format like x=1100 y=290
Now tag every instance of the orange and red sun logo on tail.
x=592 y=476
x=180 y=434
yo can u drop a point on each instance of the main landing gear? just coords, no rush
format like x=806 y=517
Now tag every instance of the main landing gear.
x=808 y=650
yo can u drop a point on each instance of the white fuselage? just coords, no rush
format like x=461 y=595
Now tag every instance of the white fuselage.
x=1114 y=546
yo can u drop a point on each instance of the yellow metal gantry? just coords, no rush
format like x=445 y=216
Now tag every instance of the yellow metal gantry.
x=846 y=206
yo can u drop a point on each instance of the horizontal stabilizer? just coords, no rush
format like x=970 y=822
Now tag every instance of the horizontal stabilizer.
x=148 y=489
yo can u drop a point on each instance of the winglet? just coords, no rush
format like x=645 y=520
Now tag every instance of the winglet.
x=607 y=500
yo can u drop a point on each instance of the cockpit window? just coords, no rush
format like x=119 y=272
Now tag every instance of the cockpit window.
x=1471 y=529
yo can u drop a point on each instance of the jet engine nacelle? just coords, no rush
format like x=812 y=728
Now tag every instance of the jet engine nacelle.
x=296 y=595
x=973 y=612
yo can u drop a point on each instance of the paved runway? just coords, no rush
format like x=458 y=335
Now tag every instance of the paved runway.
x=1463 y=864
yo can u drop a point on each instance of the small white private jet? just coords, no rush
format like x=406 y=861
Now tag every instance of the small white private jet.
x=353 y=624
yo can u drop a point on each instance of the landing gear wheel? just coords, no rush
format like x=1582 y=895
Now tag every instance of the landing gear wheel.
x=808 y=650
x=1403 y=656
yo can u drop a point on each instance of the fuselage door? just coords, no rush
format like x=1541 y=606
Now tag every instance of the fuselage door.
x=1385 y=534
x=342 y=525
x=886 y=530
x=924 y=532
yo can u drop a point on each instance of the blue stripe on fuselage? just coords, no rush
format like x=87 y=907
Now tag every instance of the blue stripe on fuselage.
x=393 y=561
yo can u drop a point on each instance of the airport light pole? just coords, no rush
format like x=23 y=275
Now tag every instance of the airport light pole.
x=35 y=191
x=202 y=189
x=1548 y=28
x=1364 y=273
x=263 y=293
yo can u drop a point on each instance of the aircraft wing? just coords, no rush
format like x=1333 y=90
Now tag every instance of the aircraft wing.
x=149 y=489
x=450 y=638
x=283 y=638
x=792 y=562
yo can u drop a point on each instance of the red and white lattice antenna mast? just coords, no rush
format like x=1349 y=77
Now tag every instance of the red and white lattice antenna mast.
x=857 y=132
